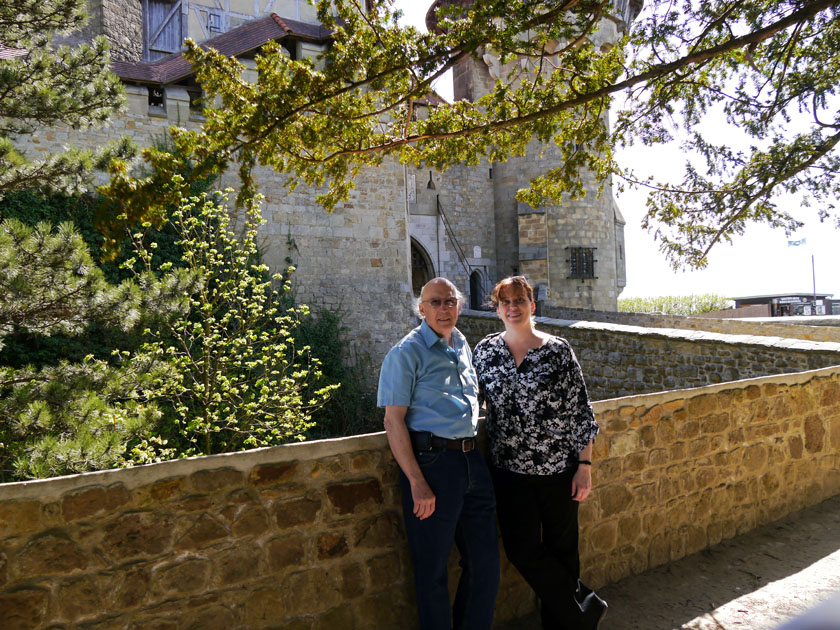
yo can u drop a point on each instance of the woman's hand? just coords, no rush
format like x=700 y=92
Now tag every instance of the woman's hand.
x=582 y=482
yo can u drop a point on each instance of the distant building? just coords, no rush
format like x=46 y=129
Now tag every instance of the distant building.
x=790 y=304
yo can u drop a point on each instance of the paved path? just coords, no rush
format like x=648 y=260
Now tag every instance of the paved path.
x=757 y=581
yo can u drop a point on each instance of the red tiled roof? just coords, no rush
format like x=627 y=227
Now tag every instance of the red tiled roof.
x=10 y=53
x=250 y=36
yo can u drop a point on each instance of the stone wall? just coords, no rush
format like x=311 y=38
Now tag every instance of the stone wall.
x=679 y=471
x=305 y=536
x=811 y=328
x=621 y=360
x=309 y=536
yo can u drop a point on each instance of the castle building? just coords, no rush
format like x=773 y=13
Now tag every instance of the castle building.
x=402 y=225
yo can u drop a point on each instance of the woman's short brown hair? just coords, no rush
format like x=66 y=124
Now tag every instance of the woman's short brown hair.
x=516 y=283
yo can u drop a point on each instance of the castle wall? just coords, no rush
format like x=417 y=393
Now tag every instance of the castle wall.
x=466 y=202
x=120 y=21
x=620 y=360
x=310 y=537
x=355 y=260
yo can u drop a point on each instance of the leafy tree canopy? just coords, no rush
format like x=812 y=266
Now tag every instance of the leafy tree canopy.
x=321 y=121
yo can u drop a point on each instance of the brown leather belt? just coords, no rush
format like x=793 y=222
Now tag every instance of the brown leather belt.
x=425 y=441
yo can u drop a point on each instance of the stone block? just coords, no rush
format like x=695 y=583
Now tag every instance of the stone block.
x=250 y=520
x=273 y=474
x=24 y=608
x=332 y=545
x=137 y=534
x=194 y=503
x=18 y=517
x=384 y=570
x=207 y=481
x=90 y=501
x=161 y=491
x=603 y=537
x=264 y=607
x=366 y=461
x=210 y=618
x=293 y=512
x=706 y=477
x=347 y=498
x=386 y=609
x=629 y=529
x=205 y=530
x=716 y=423
x=352 y=580
x=285 y=551
x=814 y=434
x=82 y=597
x=51 y=553
x=186 y=576
x=614 y=498
x=129 y=588
x=381 y=531
x=339 y=617
x=311 y=591
x=830 y=394
x=687 y=430
x=635 y=462
x=236 y=565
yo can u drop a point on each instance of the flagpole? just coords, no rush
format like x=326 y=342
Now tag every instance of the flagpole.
x=814 y=280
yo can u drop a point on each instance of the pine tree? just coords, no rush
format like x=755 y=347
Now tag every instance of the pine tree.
x=69 y=417
x=42 y=86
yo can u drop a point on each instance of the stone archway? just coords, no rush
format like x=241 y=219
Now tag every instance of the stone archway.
x=422 y=269
x=476 y=290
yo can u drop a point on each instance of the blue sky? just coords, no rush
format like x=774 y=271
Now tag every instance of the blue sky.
x=758 y=263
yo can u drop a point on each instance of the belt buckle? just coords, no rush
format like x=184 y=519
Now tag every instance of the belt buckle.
x=465 y=442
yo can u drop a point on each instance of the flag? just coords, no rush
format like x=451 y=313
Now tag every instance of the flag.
x=796 y=243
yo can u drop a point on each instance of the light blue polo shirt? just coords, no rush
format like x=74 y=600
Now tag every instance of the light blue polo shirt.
x=435 y=381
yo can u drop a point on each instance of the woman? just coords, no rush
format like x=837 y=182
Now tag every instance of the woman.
x=540 y=428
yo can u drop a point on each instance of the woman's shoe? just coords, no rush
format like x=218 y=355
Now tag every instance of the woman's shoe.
x=594 y=610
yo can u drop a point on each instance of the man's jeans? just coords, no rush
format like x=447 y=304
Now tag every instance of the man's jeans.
x=464 y=505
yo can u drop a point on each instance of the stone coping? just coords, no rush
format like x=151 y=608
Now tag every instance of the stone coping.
x=137 y=476
x=678 y=333
x=658 y=398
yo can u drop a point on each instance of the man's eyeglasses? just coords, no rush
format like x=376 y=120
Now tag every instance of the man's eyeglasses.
x=437 y=302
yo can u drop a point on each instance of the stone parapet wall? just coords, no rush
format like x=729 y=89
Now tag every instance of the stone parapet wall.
x=310 y=537
x=299 y=536
x=811 y=328
x=622 y=360
x=677 y=472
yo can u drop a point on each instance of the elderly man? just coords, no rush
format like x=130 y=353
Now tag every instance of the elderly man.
x=429 y=390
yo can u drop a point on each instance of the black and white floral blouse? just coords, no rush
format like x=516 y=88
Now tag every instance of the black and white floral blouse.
x=538 y=415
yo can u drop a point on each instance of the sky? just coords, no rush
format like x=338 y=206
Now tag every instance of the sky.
x=758 y=263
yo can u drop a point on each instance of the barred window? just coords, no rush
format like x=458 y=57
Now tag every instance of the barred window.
x=581 y=262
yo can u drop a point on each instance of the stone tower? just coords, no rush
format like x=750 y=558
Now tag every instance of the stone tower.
x=573 y=252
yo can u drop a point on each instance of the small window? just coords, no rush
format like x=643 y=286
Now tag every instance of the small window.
x=214 y=23
x=581 y=262
x=157 y=98
x=196 y=103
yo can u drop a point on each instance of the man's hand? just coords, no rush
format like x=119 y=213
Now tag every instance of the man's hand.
x=424 y=499
x=581 y=483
